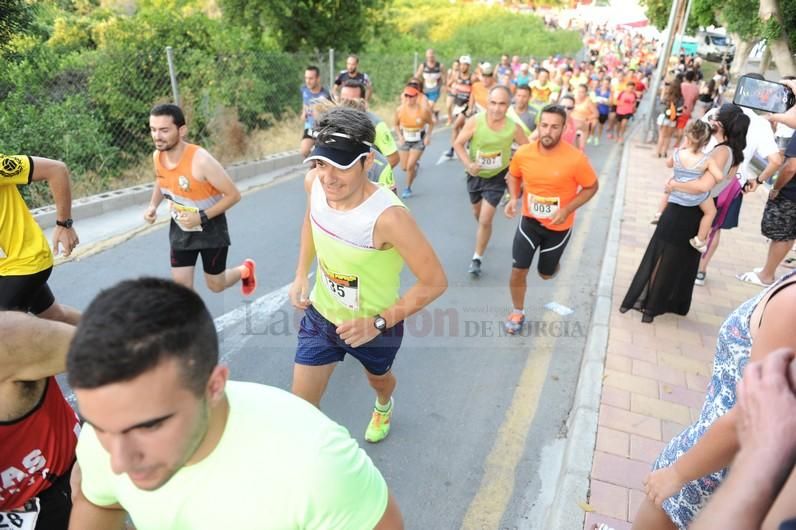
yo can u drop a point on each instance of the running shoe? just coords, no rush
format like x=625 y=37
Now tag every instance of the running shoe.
x=514 y=323
x=406 y=193
x=449 y=154
x=249 y=285
x=379 y=426
x=475 y=267
x=596 y=141
x=700 y=278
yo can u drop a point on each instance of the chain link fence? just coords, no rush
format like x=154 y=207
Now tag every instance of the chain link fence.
x=94 y=114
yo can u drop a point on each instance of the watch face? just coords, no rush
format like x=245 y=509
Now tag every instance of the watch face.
x=380 y=323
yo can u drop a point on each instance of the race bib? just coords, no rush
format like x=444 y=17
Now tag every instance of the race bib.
x=543 y=207
x=176 y=211
x=343 y=287
x=490 y=160
x=22 y=519
x=412 y=135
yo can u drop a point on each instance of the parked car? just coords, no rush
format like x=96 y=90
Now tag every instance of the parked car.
x=715 y=46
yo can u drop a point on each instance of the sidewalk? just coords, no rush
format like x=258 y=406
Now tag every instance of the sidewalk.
x=656 y=374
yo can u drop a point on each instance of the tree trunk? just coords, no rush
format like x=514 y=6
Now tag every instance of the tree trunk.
x=765 y=62
x=742 y=49
x=780 y=51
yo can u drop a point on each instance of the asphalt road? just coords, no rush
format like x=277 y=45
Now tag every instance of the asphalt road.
x=479 y=420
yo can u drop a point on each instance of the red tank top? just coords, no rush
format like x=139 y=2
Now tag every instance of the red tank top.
x=37 y=449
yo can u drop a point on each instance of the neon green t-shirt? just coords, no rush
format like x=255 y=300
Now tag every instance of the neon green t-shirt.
x=384 y=142
x=280 y=465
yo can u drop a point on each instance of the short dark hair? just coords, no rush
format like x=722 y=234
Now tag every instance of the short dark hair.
x=132 y=327
x=352 y=83
x=313 y=68
x=524 y=87
x=690 y=75
x=169 y=109
x=555 y=108
x=355 y=123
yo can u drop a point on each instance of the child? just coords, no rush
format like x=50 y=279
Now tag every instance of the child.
x=690 y=163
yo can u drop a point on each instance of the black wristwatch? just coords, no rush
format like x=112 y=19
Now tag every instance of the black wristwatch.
x=203 y=219
x=66 y=224
x=379 y=323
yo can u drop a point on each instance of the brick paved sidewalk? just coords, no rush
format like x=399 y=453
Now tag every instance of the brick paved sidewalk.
x=656 y=374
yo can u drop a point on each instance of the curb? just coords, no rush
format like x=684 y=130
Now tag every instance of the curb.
x=565 y=511
x=115 y=200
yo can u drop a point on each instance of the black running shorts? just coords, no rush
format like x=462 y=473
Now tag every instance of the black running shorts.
x=29 y=293
x=530 y=236
x=489 y=189
x=214 y=260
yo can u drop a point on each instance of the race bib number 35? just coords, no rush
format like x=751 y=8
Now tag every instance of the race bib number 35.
x=24 y=519
x=343 y=287
x=490 y=160
x=543 y=207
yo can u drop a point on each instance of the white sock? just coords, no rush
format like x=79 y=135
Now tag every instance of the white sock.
x=476 y=256
x=519 y=311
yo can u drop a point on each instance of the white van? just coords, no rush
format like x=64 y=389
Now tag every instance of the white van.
x=715 y=46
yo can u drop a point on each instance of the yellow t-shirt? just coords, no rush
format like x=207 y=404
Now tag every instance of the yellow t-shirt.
x=23 y=248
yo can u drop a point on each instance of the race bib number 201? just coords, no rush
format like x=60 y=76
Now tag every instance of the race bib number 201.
x=490 y=160
x=24 y=519
x=344 y=288
x=543 y=207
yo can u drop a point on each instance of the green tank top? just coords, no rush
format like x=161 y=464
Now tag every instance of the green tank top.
x=491 y=149
x=353 y=279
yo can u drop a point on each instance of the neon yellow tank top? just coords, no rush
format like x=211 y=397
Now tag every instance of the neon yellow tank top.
x=353 y=279
x=491 y=149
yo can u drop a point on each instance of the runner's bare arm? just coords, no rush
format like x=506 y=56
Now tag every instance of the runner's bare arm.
x=391 y=520
x=397 y=227
x=299 y=292
x=88 y=516
x=211 y=170
x=32 y=348
x=152 y=210
x=397 y=124
x=56 y=174
x=519 y=135
x=458 y=145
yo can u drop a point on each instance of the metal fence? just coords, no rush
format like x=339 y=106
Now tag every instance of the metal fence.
x=94 y=114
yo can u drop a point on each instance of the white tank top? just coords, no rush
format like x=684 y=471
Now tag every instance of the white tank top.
x=354 y=227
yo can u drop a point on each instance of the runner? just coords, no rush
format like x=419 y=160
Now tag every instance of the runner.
x=521 y=113
x=414 y=124
x=625 y=108
x=523 y=76
x=584 y=115
x=543 y=91
x=486 y=161
x=462 y=99
x=167 y=436
x=603 y=98
x=310 y=92
x=385 y=143
x=482 y=86
x=556 y=179
x=361 y=235
x=199 y=192
x=505 y=73
x=26 y=260
x=351 y=74
x=38 y=428
x=450 y=79
x=432 y=72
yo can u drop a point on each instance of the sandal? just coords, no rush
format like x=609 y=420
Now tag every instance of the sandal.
x=753 y=278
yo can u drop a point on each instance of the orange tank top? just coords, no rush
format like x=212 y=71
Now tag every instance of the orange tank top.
x=179 y=186
x=582 y=110
x=480 y=94
x=411 y=118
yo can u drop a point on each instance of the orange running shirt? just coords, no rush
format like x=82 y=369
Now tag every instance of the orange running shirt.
x=550 y=180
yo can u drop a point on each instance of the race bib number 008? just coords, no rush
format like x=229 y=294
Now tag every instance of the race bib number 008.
x=343 y=287
x=490 y=160
x=543 y=207
x=24 y=519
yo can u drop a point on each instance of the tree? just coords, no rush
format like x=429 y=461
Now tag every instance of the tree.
x=16 y=16
x=310 y=25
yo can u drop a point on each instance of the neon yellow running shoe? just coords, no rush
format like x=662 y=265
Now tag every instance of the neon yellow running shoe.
x=379 y=426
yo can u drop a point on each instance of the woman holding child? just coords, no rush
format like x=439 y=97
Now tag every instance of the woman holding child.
x=664 y=281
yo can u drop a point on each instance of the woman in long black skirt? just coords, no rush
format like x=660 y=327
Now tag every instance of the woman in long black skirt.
x=664 y=281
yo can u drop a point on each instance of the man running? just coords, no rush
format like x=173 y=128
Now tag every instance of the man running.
x=351 y=74
x=432 y=72
x=521 y=113
x=462 y=99
x=361 y=235
x=384 y=142
x=556 y=179
x=38 y=428
x=199 y=192
x=490 y=135
x=482 y=86
x=310 y=92
x=414 y=124
x=543 y=91
x=26 y=260
x=169 y=440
